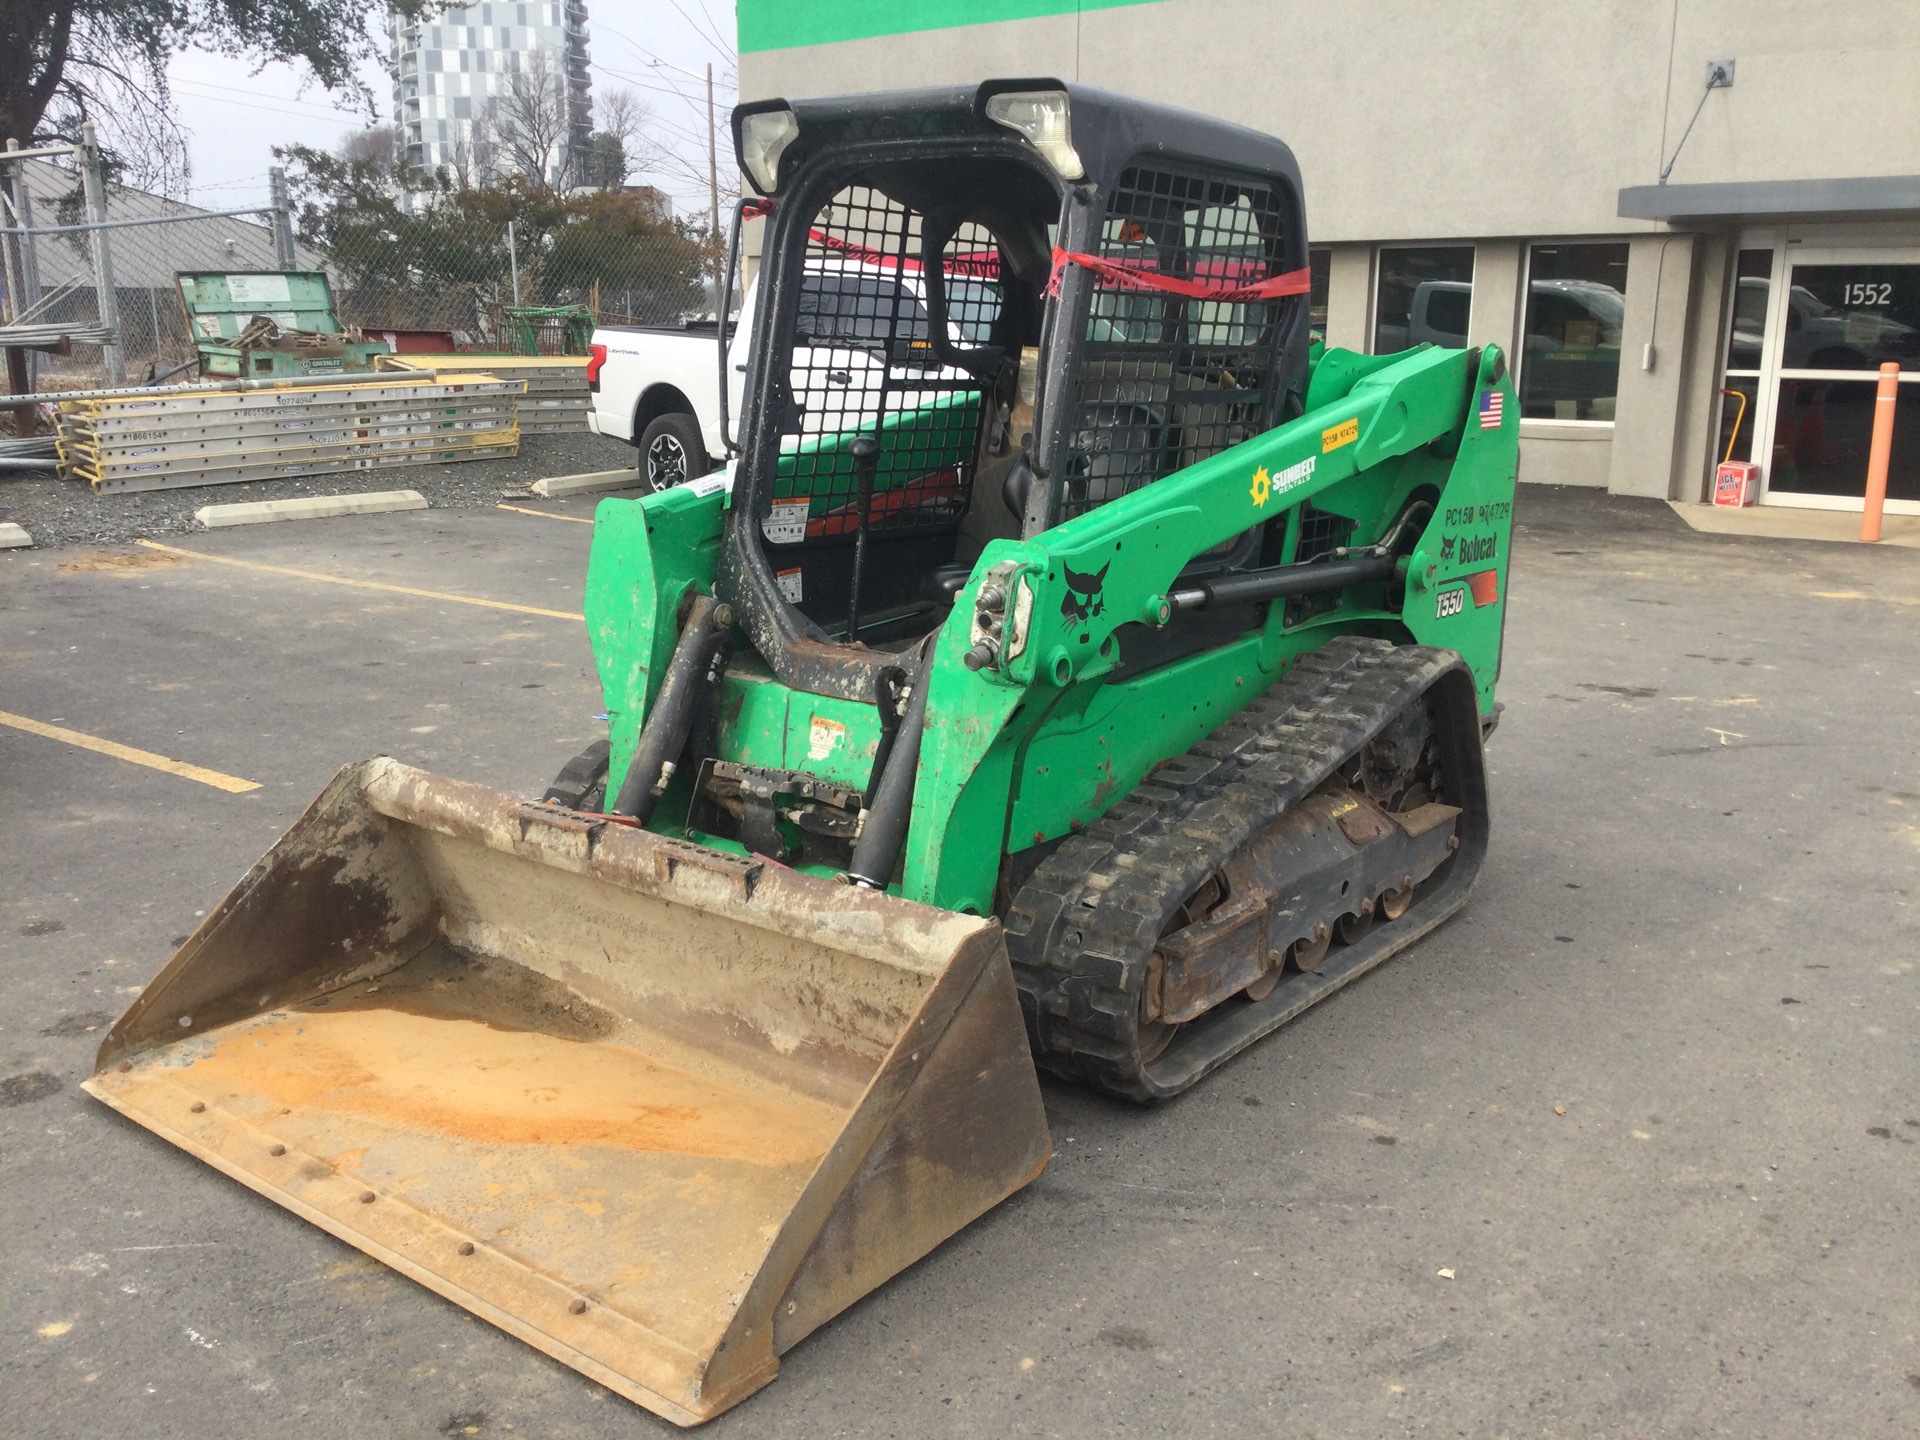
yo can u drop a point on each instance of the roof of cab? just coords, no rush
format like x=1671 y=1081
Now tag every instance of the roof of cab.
x=1109 y=130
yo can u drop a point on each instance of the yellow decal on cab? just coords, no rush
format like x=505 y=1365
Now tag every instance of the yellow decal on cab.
x=1262 y=486
x=1345 y=433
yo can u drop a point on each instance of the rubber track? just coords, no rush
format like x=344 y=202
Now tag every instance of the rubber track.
x=1081 y=929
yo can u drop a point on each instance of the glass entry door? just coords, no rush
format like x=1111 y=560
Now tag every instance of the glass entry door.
x=1839 y=316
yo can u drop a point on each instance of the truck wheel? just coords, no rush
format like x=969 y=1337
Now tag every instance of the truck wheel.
x=672 y=452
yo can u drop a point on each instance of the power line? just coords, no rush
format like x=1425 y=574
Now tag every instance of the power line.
x=698 y=138
x=644 y=82
x=715 y=23
x=640 y=83
x=285 y=99
x=274 y=109
x=251 y=180
x=704 y=32
x=659 y=85
x=678 y=131
x=654 y=58
x=662 y=85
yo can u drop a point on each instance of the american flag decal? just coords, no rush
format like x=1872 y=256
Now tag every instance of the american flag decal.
x=1492 y=409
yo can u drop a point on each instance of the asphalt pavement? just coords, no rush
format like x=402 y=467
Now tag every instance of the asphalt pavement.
x=1631 y=1147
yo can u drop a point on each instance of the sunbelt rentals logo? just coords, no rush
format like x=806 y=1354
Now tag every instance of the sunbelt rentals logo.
x=1266 y=486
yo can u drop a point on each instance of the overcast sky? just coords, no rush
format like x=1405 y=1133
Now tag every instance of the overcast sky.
x=235 y=116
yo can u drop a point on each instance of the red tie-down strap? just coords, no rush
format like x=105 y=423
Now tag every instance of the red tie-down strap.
x=1133 y=276
x=984 y=264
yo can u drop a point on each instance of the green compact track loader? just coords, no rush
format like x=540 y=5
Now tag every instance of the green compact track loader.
x=1077 y=663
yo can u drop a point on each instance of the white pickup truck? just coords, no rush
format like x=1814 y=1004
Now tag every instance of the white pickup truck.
x=659 y=389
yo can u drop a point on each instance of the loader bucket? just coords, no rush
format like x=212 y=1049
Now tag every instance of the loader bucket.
x=655 y=1109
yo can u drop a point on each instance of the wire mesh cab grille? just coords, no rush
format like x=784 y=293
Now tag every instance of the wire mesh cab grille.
x=1318 y=532
x=1165 y=381
x=1321 y=533
x=863 y=363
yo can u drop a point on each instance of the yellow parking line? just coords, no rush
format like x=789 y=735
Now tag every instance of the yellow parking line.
x=360 y=584
x=232 y=784
x=1862 y=595
x=543 y=514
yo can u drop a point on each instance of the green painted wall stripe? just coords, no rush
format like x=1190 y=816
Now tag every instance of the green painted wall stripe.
x=777 y=24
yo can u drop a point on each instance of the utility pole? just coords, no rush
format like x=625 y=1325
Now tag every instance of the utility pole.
x=713 y=169
x=713 y=189
x=26 y=281
x=282 y=209
x=23 y=366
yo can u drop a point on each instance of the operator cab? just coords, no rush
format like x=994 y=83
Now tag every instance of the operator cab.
x=934 y=366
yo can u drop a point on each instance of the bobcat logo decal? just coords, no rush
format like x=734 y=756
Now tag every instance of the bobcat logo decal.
x=1446 y=548
x=1084 y=599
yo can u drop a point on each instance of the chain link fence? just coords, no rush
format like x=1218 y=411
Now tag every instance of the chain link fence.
x=89 y=294
x=468 y=275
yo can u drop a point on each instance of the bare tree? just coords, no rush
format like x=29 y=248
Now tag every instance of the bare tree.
x=618 y=146
x=625 y=116
x=472 y=161
x=377 y=145
x=469 y=161
x=137 y=125
x=529 y=120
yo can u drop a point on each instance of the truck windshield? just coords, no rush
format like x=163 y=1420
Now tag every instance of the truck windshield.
x=859 y=309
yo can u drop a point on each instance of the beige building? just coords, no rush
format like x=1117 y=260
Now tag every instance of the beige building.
x=1575 y=180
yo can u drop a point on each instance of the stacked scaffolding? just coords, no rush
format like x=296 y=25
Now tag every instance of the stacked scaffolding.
x=160 y=441
x=556 y=399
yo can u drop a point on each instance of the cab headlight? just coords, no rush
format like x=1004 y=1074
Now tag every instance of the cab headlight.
x=764 y=138
x=1041 y=116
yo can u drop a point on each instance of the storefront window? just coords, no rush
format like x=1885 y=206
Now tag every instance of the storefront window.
x=1822 y=430
x=1740 y=381
x=1753 y=282
x=1424 y=297
x=1320 y=267
x=1576 y=304
x=1846 y=318
x=1852 y=317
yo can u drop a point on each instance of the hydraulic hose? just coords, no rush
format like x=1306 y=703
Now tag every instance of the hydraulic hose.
x=883 y=829
x=670 y=721
x=890 y=691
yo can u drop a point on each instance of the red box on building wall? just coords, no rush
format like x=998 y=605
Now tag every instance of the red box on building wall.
x=1736 y=482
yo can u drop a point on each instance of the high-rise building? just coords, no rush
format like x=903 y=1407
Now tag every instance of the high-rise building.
x=452 y=72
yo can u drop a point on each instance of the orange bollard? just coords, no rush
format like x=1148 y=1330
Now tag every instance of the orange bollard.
x=1882 y=451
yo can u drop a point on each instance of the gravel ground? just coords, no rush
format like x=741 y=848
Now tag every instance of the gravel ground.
x=66 y=512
